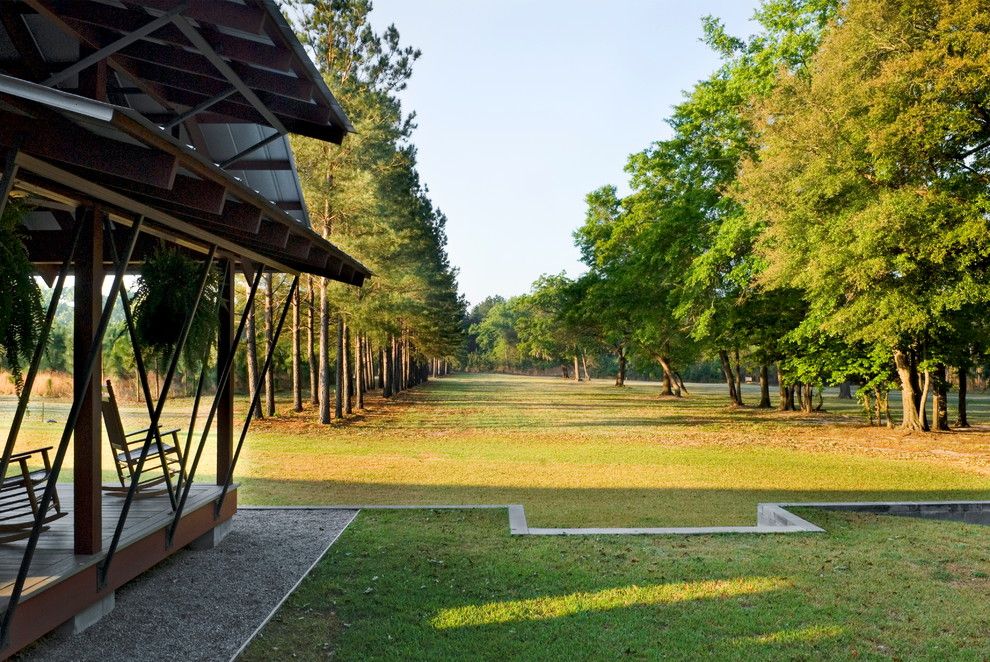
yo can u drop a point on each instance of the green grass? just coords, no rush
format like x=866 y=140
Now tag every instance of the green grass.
x=595 y=455
x=446 y=585
x=453 y=584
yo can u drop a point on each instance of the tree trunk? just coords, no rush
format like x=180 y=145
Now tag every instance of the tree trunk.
x=324 y=358
x=297 y=353
x=577 y=371
x=669 y=381
x=940 y=400
x=739 y=379
x=784 y=392
x=723 y=357
x=845 y=391
x=269 y=337
x=359 y=371
x=961 y=420
x=808 y=404
x=252 y=361
x=680 y=384
x=923 y=404
x=764 y=387
x=386 y=374
x=620 y=377
x=868 y=406
x=311 y=349
x=907 y=372
x=584 y=364
x=798 y=391
x=338 y=404
x=348 y=370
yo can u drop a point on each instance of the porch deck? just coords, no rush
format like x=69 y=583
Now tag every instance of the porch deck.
x=61 y=583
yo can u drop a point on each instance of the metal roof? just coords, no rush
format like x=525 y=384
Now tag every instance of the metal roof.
x=69 y=145
x=226 y=77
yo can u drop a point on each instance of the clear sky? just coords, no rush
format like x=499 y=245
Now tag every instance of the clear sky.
x=526 y=106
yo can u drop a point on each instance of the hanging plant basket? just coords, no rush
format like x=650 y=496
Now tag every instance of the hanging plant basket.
x=21 y=314
x=166 y=293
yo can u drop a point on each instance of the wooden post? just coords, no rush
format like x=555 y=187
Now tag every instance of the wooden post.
x=87 y=472
x=225 y=409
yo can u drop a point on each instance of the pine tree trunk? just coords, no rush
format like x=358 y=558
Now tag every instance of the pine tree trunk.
x=311 y=348
x=252 y=361
x=962 y=421
x=386 y=374
x=338 y=405
x=348 y=370
x=907 y=372
x=269 y=337
x=723 y=357
x=297 y=353
x=577 y=369
x=324 y=357
x=406 y=361
x=765 y=387
x=359 y=371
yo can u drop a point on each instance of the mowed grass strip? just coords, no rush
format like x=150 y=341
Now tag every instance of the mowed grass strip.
x=453 y=585
x=595 y=455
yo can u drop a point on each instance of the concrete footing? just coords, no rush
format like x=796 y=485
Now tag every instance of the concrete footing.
x=213 y=537
x=89 y=616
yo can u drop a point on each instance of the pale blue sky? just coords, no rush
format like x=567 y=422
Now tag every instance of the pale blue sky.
x=525 y=107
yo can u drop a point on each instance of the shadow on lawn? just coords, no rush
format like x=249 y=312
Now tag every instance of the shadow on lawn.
x=586 y=507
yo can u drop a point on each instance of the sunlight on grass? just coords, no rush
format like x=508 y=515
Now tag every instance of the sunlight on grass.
x=538 y=609
x=808 y=635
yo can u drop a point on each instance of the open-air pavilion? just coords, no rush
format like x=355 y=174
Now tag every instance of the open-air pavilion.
x=125 y=124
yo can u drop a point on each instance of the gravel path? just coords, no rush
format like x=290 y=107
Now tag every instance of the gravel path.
x=204 y=605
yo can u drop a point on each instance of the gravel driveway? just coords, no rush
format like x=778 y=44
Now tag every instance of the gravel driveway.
x=204 y=605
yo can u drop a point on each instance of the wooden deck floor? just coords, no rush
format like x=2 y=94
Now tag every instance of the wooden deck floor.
x=54 y=560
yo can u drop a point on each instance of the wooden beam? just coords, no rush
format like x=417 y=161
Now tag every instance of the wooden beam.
x=30 y=57
x=260 y=164
x=87 y=470
x=216 y=12
x=122 y=202
x=195 y=194
x=273 y=234
x=52 y=138
x=106 y=51
x=84 y=12
x=225 y=398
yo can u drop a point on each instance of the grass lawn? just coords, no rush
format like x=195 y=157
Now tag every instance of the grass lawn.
x=578 y=454
x=443 y=585
x=594 y=455
x=438 y=584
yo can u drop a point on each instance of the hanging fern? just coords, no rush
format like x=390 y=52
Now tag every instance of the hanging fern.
x=165 y=295
x=21 y=314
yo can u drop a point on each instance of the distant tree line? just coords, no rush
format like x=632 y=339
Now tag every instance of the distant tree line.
x=820 y=210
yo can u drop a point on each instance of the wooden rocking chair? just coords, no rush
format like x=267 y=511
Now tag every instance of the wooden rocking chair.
x=160 y=465
x=20 y=496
